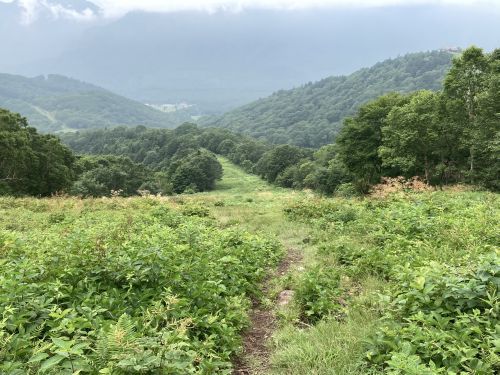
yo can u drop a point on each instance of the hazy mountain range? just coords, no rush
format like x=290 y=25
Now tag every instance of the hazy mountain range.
x=309 y=115
x=224 y=59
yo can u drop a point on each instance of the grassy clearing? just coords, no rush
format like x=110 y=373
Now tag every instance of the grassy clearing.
x=247 y=202
x=364 y=271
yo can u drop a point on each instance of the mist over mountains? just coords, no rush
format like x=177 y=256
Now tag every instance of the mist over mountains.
x=225 y=59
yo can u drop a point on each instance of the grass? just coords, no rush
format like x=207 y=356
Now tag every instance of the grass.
x=327 y=348
x=245 y=201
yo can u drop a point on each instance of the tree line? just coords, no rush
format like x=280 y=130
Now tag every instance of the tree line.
x=448 y=136
x=40 y=165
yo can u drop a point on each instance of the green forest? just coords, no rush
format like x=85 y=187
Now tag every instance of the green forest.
x=373 y=249
x=311 y=115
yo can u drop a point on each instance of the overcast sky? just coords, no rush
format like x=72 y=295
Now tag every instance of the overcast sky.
x=115 y=8
x=120 y=6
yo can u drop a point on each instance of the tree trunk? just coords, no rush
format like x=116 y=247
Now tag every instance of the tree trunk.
x=426 y=170
x=471 y=165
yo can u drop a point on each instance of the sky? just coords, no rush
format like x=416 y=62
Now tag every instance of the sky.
x=117 y=8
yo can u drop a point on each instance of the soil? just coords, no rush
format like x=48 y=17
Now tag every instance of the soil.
x=256 y=352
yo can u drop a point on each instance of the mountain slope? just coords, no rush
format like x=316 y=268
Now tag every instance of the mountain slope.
x=310 y=115
x=56 y=103
x=223 y=59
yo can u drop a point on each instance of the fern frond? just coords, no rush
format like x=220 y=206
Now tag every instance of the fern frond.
x=117 y=342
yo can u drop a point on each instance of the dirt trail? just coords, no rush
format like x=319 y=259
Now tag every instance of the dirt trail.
x=256 y=352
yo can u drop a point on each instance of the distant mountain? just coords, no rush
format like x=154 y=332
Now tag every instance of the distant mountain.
x=224 y=59
x=311 y=115
x=57 y=103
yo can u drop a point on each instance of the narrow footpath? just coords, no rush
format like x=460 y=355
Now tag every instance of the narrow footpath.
x=247 y=202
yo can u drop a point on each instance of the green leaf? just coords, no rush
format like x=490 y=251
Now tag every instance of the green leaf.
x=419 y=282
x=51 y=362
x=38 y=357
x=63 y=344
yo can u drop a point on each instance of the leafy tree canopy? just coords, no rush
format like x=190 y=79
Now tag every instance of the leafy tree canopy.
x=31 y=163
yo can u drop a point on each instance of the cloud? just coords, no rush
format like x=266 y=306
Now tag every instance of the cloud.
x=31 y=9
x=117 y=8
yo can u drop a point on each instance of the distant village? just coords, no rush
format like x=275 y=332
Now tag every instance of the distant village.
x=168 y=108
x=451 y=49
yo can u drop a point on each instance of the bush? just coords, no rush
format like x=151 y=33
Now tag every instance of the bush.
x=124 y=287
x=195 y=210
x=219 y=203
x=346 y=190
x=318 y=292
x=444 y=318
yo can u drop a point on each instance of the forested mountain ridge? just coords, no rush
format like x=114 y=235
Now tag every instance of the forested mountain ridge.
x=311 y=115
x=57 y=103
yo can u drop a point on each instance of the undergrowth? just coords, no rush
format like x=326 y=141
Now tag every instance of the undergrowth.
x=123 y=286
x=435 y=256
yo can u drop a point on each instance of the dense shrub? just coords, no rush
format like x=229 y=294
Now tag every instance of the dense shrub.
x=436 y=252
x=444 y=317
x=123 y=286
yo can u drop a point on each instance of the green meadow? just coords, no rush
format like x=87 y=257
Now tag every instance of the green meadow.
x=406 y=283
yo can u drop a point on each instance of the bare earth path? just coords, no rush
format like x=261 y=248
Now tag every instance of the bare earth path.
x=247 y=202
x=256 y=350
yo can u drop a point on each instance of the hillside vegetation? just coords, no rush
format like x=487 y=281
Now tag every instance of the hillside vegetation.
x=439 y=138
x=40 y=165
x=444 y=137
x=57 y=103
x=154 y=284
x=123 y=286
x=404 y=284
x=311 y=115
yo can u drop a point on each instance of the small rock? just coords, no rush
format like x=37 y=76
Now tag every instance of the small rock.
x=285 y=297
